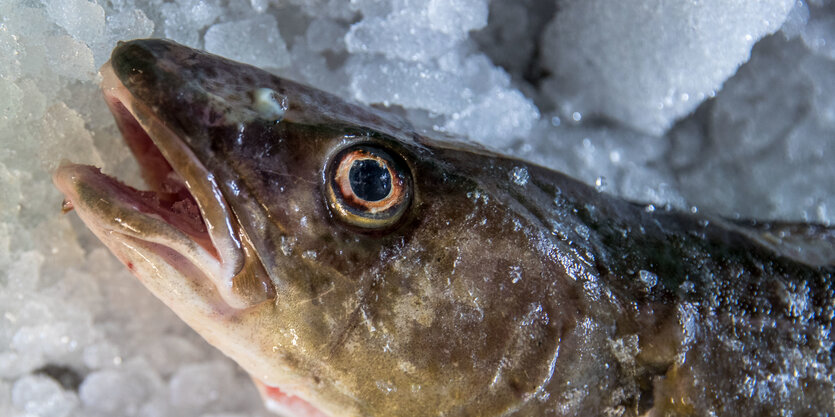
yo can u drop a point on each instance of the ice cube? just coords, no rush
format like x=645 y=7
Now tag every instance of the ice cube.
x=184 y=20
x=398 y=36
x=43 y=396
x=454 y=16
x=114 y=392
x=254 y=41
x=325 y=35
x=198 y=386
x=498 y=118
x=648 y=74
x=71 y=58
x=82 y=19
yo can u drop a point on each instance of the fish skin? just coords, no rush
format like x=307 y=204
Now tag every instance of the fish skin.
x=491 y=297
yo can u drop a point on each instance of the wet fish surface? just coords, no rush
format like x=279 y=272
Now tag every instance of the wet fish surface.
x=356 y=267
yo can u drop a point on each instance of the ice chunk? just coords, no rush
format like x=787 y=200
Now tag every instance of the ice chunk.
x=184 y=20
x=70 y=58
x=325 y=35
x=14 y=364
x=819 y=35
x=199 y=386
x=10 y=51
x=22 y=274
x=777 y=112
x=409 y=84
x=101 y=355
x=169 y=353
x=11 y=195
x=451 y=16
x=63 y=134
x=796 y=21
x=398 y=36
x=332 y=9
x=312 y=68
x=43 y=396
x=647 y=63
x=498 y=118
x=115 y=392
x=254 y=41
x=82 y=19
x=419 y=30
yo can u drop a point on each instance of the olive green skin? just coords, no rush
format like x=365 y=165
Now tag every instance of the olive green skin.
x=489 y=297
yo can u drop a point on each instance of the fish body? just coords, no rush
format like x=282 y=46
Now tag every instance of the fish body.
x=356 y=267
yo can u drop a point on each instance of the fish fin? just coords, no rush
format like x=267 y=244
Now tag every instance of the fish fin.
x=810 y=243
x=285 y=404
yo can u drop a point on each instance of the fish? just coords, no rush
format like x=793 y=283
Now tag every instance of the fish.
x=354 y=265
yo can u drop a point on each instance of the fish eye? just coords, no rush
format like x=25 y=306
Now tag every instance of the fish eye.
x=368 y=187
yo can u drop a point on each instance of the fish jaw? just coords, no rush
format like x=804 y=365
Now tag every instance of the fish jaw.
x=162 y=256
x=183 y=242
x=181 y=231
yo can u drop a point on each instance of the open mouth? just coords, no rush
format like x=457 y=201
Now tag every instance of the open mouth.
x=169 y=197
x=180 y=236
x=182 y=217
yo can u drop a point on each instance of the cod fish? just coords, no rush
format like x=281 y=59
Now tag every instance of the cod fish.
x=355 y=266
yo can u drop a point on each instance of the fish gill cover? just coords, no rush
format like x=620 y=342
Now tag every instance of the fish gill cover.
x=646 y=100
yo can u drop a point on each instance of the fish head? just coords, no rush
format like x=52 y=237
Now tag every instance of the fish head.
x=327 y=247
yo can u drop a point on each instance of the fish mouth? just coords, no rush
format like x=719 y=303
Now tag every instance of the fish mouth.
x=181 y=230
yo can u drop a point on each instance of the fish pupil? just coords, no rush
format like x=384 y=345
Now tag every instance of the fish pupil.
x=370 y=180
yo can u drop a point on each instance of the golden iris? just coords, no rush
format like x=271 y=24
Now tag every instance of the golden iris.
x=368 y=187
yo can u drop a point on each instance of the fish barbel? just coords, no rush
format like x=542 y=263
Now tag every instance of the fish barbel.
x=356 y=267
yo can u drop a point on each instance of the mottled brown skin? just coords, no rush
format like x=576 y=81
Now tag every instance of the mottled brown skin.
x=488 y=298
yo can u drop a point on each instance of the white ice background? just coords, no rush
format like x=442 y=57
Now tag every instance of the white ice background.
x=724 y=106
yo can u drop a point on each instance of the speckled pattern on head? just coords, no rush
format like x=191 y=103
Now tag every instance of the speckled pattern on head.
x=504 y=289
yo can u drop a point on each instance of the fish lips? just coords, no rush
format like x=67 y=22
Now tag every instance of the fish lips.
x=181 y=238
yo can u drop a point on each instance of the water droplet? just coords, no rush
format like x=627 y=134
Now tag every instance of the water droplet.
x=286 y=245
x=519 y=176
x=600 y=183
x=577 y=116
x=386 y=386
x=647 y=278
x=515 y=274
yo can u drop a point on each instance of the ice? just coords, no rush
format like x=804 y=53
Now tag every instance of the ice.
x=82 y=19
x=254 y=41
x=125 y=25
x=184 y=20
x=497 y=118
x=647 y=99
x=496 y=113
x=42 y=396
x=70 y=58
x=650 y=73
x=325 y=35
x=119 y=391
x=377 y=80
x=397 y=36
x=101 y=355
x=765 y=117
x=452 y=16
x=819 y=32
x=199 y=387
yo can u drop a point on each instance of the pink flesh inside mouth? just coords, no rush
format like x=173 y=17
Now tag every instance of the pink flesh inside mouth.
x=168 y=197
